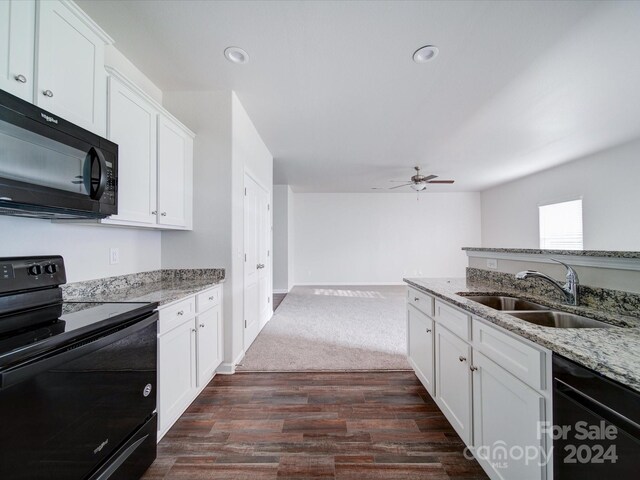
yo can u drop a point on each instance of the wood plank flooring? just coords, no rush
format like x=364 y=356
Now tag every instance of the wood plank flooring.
x=378 y=425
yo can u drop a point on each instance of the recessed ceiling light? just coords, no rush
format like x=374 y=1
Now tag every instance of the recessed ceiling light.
x=236 y=55
x=426 y=53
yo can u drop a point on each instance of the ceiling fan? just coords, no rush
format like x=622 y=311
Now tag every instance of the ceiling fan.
x=419 y=182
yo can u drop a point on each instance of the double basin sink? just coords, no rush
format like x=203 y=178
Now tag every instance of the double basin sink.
x=535 y=313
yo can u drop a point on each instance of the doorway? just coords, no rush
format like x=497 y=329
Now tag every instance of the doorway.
x=257 y=268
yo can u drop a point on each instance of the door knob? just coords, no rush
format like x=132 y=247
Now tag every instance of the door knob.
x=21 y=78
x=48 y=93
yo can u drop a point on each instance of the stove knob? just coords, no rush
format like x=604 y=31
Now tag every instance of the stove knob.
x=35 y=270
x=50 y=269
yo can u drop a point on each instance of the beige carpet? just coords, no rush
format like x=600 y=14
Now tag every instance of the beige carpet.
x=334 y=328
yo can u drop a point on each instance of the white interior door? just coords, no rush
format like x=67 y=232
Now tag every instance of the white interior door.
x=264 y=229
x=251 y=283
x=256 y=243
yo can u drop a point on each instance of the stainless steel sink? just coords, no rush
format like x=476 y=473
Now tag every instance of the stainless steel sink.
x=535 y=313
x=559 y=319
x=506 y=303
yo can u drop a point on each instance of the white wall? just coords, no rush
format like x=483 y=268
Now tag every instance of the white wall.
x=606 y=181
x=281 y=238
x=377 y=238
x=290 y=241
x=226 y=144
x=85 y=248
x=250 y=155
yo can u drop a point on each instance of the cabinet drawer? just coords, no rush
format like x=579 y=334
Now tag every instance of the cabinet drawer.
x=522 y=360
x=456 y=321
x=207 y=299
x=420 y=300
x=173 y=315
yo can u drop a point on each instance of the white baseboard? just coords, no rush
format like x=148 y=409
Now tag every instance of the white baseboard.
x=229 y=368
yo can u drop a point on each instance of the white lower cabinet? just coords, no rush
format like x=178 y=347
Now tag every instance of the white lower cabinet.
x=491 y=385
x=209 y=325
x=506 y=413
x=420 y=346
x=176 y=373
x=189 y=352
x=453 y=381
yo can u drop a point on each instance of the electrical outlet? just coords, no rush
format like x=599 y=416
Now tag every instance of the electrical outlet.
x=492 y=263
x=114 y=256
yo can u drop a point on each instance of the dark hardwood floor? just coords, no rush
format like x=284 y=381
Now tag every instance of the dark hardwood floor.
x=277 y=300
x=379 y=425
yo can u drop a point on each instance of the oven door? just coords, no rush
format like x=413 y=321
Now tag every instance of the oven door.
x=46 y=169
x=65 y=415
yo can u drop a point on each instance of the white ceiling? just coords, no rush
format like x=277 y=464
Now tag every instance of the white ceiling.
x=331 y=87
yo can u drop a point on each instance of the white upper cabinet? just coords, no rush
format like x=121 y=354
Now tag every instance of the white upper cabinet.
x=175 y=163
x=132 y=124
x=71 y=81
x=17 y=46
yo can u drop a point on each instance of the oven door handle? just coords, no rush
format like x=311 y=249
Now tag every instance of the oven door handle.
x=68 y=353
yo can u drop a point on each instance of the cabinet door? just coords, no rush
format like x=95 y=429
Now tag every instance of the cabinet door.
x=421 y=346
x=498 y=396
x=132 y=123
x=17 y=47
x=176 y=372
x=70 y=68
x=174 y=173
x=453 y=381
x=209 y=344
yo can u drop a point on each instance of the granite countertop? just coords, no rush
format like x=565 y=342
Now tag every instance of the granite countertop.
x=163 y=286
x=612 y=352
x=584 y=253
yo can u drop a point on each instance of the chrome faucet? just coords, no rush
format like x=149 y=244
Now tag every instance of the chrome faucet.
x=570 y=288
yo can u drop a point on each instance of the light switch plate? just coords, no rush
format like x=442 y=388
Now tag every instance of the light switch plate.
x=114 y=256
x=492 y=263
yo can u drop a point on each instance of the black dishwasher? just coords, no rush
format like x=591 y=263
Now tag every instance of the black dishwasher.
x=596 y=425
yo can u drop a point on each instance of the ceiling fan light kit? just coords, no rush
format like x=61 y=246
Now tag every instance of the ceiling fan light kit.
x=419 y=182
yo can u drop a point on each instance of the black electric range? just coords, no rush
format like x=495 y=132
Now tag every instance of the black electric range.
x=77 y=379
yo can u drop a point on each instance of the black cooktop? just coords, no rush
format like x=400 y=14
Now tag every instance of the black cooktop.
x=59 y=324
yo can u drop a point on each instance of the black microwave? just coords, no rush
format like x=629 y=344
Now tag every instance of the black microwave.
x=51 y=168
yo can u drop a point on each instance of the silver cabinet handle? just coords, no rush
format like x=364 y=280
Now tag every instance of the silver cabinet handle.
x=416 y=299
x=181 y=312
x=210 y=298
x=193 y=330
x=462 y=359
x=428 y=330
x=202 y=325
x=155 y=212
x=259 y=266
x=48 y=93
x=473 y=368
x=164 y=214
x=21 y=78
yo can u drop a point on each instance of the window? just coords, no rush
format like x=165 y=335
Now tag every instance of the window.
x=561 y=226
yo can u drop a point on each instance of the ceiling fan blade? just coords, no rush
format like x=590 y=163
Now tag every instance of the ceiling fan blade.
x=397 y=181
x=430 y=177
x=440 y=181
x=398 y=186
